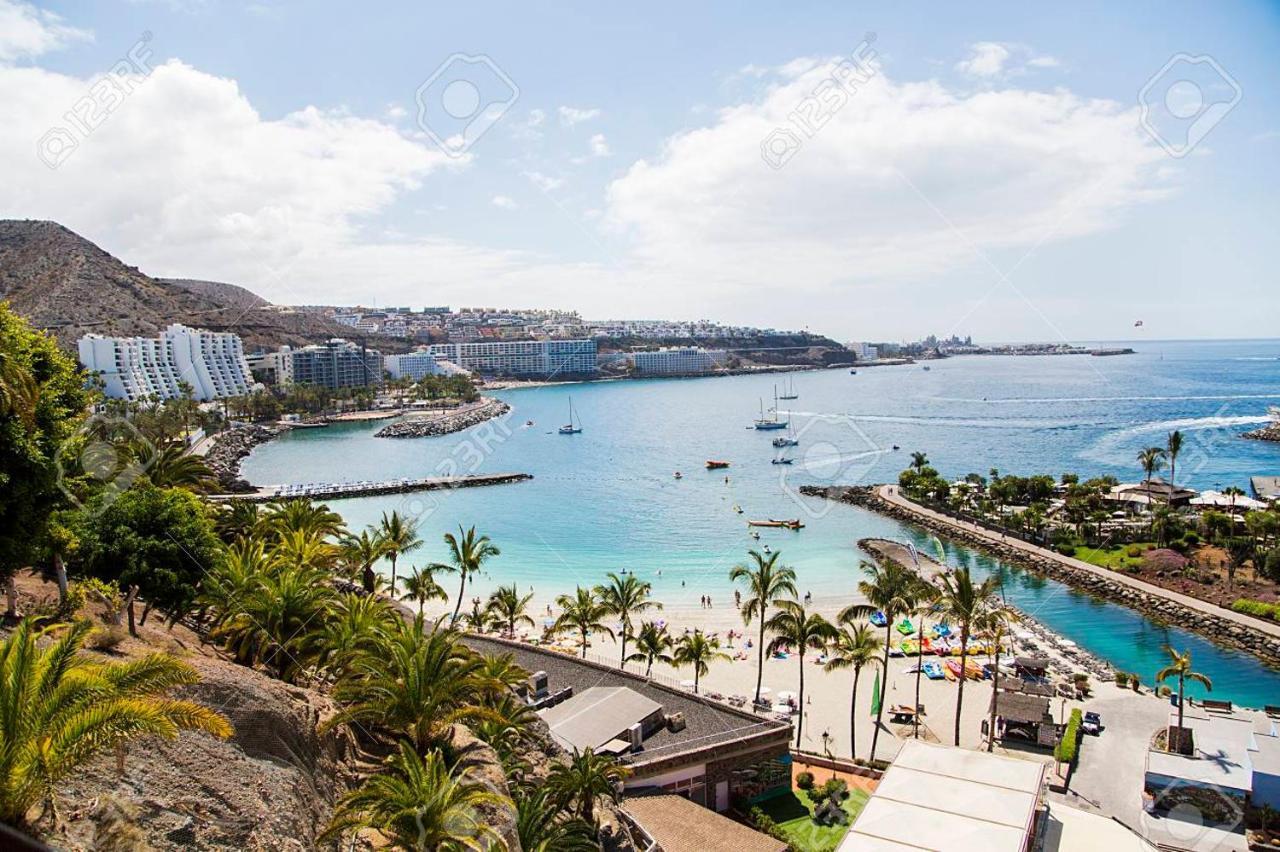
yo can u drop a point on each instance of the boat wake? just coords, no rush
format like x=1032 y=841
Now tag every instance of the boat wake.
x=1117 y=447
x=1024 y=400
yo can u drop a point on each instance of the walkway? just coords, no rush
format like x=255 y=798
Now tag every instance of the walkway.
x=891 y=494
x=346 y=490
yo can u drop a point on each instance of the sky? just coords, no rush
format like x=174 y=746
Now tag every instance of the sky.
x=868 y=171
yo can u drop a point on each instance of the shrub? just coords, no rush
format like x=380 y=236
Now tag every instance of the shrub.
x=804 y=780
x=1259 y=609
x=1133 y=551
x=105 y=638
x=1271 y=565
x=1134 y=681
x=1067 y=549
x=1067 y=748
x=1163 y=559
x=1191 y=538
x=834 y=788
x=1122 y=679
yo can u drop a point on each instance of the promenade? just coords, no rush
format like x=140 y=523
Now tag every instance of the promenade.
x=347 y=490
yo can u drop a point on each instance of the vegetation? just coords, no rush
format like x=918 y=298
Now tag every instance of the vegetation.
x=400 y=535
x=796 y=630
x=467 y=555
x=700 y=651
x=854 y=647
x=625 y=597
x=966 y=604
x=767 y=583
x=582 y=612
x=1067 y=749
x=1180 y=667
x=1260 y=609
x=652 y=643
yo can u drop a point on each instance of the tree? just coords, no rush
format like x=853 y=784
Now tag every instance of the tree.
x=996 y=622
x=854 y=647
x=419 y=803
x=966 y=604
x=59 y=710
x=924 y=598
x=160 y=539
x=889 y=589
x=586 y=777
x=353 y=625
x=541 y=825
x=361 y=553
x=421 y=586
x=399 y=535
x=698 y=650
x=624 y=597
x=919 y=461
x=1151 y=459
x=269 y=625
x=584 y=613
x=767 y=583
x=652 y=643
x=1173 y=446
x=467 y=555
x=237 y=519
x=1180 y=667
x=793 y=627
x=508 y=608
x=302 y=516
x=43 y=400
x=169 y=466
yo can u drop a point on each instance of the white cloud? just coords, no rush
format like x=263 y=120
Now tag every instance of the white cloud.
x=505 y=202
x=27 y=32
x=546 y=183
x=536 y=117
x=599 y=145
x=396 y=112
x=993 y=60
x=569 y=116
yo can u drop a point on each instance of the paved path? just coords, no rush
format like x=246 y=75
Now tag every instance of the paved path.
x=892 y=495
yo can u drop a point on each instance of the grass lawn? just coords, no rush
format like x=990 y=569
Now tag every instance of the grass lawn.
x=793 y=813
x=1115 y=558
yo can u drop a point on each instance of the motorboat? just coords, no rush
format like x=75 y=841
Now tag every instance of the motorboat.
x=712 y=464
x=783 y=461
x=785 y=442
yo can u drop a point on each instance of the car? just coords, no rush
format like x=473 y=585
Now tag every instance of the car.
x=1092 y=723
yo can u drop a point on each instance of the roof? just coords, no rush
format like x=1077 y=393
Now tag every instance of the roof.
x=939 y=797
x=1221 y=759
x=678 y=825
x=1217 y=498
x=1070 y=828
x=1020 y=707
x=597 y=715
x=708 y=724
x=1265 y=487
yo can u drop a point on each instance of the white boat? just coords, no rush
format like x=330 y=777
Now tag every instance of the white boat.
x=767 y=423
x=789 y=391
x=573 y=427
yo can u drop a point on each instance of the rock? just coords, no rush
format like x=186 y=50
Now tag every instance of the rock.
x=464 y=418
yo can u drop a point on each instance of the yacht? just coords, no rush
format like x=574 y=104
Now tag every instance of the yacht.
x=574 y=426
x=769 y=423
x=789 y=390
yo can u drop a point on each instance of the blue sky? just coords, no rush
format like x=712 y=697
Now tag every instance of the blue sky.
x=989 y=176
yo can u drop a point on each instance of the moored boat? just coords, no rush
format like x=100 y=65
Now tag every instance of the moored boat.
x=713 y=464
x=933 y=670
x=905 y=627
x=878 y=619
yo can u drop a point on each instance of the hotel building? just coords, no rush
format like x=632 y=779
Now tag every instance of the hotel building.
x=133 y=368
x=532 y=358
x=415 y=365
x=678 y=361
x=335 y=364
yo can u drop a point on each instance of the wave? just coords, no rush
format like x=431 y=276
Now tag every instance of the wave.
x=1013 y=400
x=958 y=422
x=1114 y=447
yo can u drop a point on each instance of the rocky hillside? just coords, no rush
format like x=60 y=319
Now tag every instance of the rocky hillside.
x=70 y=287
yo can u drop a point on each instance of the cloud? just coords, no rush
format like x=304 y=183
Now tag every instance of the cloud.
x=546 y=183
x=994 y=60
x=569 y=116
x=599 y=146
x=903 y=183
x=505 y=202
x=27 y=32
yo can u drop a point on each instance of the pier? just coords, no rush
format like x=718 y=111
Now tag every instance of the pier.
x=367 y=488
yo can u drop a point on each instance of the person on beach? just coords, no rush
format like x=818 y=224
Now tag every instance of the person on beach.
x=737 y=598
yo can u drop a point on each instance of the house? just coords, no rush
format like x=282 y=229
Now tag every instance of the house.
x=1265 y=487
x=1023 y=717
x=1156 y=491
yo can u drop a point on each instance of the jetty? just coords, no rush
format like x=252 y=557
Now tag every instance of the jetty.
x=369 y=488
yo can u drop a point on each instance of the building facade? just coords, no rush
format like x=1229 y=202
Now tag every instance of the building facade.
x=212 y=363
x=336 y=364
x=531 y=358
x=678 y=361
x=414 y=365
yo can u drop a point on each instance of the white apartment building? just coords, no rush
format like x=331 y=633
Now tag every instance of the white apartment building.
x=678 y=361
x=213 y=363
x=414 y=365
x=864 y=351
x=540 y=358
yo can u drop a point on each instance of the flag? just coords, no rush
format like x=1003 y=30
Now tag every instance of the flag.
x=875 y=695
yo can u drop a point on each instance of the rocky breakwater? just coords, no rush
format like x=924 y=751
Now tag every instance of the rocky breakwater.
x=446 y=422
x=230 y=448
x=1270 y=432
x=1222 y=630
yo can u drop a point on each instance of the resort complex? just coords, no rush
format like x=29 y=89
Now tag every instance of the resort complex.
x=133 y=368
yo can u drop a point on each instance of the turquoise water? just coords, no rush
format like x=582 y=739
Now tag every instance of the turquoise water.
x=607 y=499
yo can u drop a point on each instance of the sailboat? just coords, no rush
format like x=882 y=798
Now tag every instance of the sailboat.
x=790 y=390
x=765 y=423
x=573 y=427
x=789 y=440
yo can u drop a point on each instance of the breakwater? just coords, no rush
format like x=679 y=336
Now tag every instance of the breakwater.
x=230 y=448
x=445 y=423
x=348 y=490
x=1226 y=629
x=1270 y=432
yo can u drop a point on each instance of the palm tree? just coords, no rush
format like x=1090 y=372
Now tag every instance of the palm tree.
x=170 y=467
x=586 y=777
x=361 y=552
x=1180 y=667
x=1173 y=446
x=996 y=622
x=919 y=461
x=356 y=624
x=698 y=650
x=399 y=535
x=301 y=549
x=966 y=604
x=419 y=803
x=19 y=392
x=541 y=825
x=508 y=608
x=1233 y=491
x=421 y=586
x=889 y=589
x=584 y=613
x=924 y=596
x=855 y=647
x=1151 y=459
x=237 y=519
x=652 y=643
x=793 y=627
x=59 y=710
x=269 y=623
x=416 y=684
x=303 y=516
x=624 y=597
x=467 y=555
x=767 y=584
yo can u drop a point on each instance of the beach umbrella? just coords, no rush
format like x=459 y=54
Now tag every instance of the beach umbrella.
x=786 y=695
x=1067 y=643
x=1023 y=635
x=875 y=695
x=687 y=684
x=764 y=690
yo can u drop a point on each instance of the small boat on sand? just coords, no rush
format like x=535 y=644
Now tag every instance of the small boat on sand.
x=933 y=670
x=952 y=669
x=791 y=524
x=878 y=619
x=905 y=627
x=712 y=464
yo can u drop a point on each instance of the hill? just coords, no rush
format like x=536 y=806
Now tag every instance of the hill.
x=67 y=285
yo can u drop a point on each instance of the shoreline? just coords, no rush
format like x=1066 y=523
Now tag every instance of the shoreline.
x=429 y=424
x=1223 y=627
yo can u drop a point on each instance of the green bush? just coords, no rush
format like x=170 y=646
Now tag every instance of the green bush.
x=804 y=780
x=1190 y=538
x=1067 y=549
x=1133 y=551
x=1068 y=748
x=1260 y=609
x=105 y=638
x=1122 y=679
